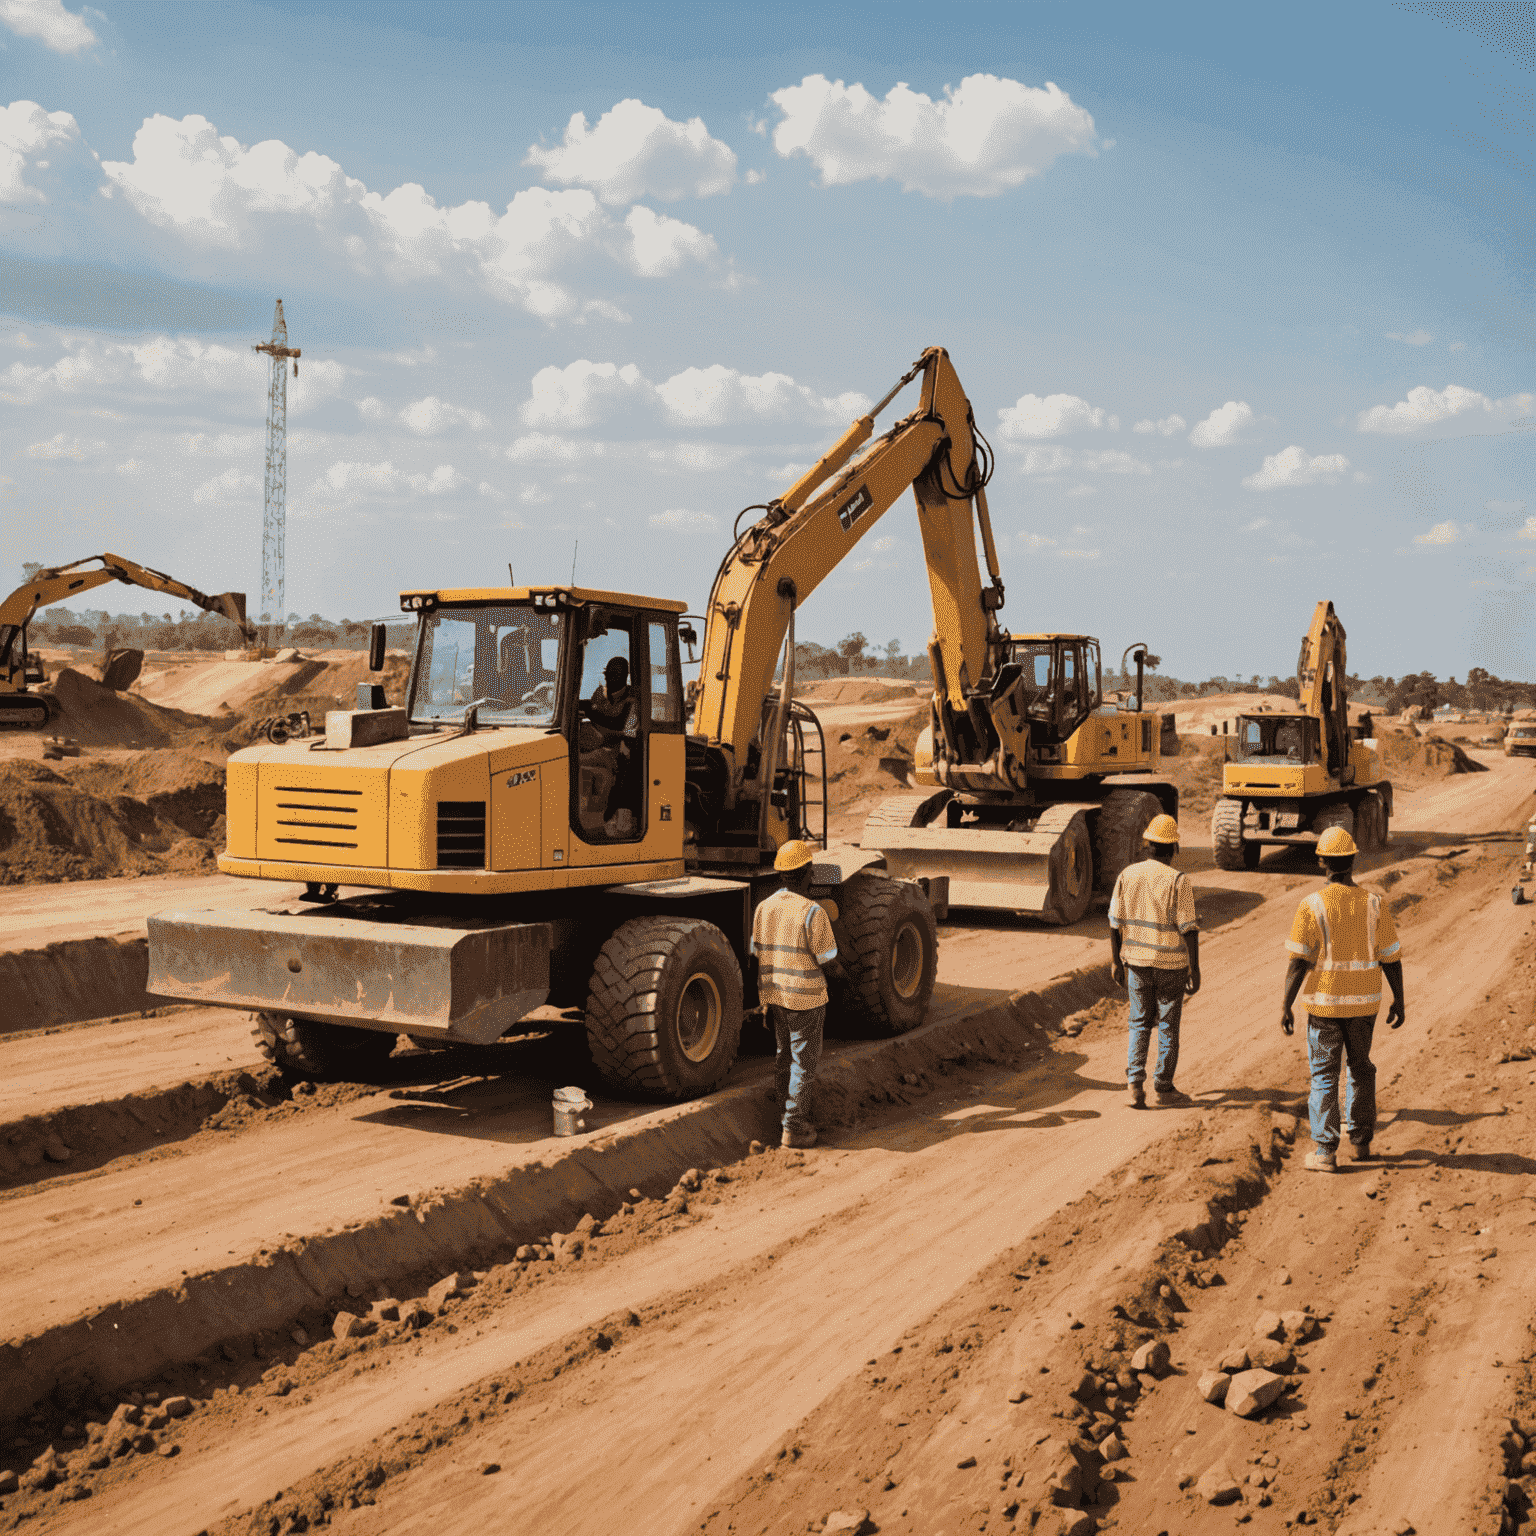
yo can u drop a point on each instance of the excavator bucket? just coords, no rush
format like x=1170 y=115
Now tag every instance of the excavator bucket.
x=232 y=606
x=1045 y=872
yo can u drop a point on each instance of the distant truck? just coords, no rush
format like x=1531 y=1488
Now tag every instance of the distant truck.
x=1520 y=741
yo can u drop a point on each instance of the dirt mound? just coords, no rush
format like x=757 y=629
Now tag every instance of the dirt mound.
x=858 y=690
x=865 y=761
x=318 y=686
x=1196 y=772
x=1410 y=758
x=158 y=813
x=97 y=717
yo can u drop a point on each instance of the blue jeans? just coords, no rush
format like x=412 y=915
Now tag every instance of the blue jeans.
x=1157 y=1002
x=798 y=1033
x=1332 y=1044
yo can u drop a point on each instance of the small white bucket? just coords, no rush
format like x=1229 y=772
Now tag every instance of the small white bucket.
x=570 y=1104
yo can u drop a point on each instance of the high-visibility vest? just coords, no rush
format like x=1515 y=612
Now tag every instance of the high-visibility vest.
x=1346 y=935
x=792 y=939
x=1153 y=907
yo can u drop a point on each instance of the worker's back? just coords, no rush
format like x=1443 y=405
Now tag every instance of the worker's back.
x=1346 y=934
x=1153 y=907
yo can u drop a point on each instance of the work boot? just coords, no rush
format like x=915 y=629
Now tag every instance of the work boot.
x=1136 y=1095
x=1362 y=1149
x=1321 y=1161
x=1170 y=1095
x=804 y=1138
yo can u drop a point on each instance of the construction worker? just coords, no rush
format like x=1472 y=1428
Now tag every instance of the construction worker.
x=792 y=939
x=1154 y=936
x=1346 y=939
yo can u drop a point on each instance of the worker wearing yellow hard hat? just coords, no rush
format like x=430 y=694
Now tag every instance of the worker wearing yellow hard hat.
x=1154 y=951
x=792 y=940
x=1344 y=940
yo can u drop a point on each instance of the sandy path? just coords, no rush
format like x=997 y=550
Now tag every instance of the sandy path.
x=900 y=1217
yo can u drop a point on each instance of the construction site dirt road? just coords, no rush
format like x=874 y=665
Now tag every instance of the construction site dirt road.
x=652 y=1328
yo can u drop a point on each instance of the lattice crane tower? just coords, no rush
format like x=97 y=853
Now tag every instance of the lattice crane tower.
x=273 y=605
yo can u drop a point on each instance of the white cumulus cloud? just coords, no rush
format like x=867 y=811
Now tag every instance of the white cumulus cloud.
x=1032 y=417
x=30 y=141
x=49 y=23
x=584 y=392
x=234 y=485
x=1224 y=425
x=1112 y=461
x=60 y=447
x=426 y=418
x=1168 y=426
x=1441 y=533
x=658 y=245
x=637 y=151
x=1295 y=466
x=1426 y=407
x=681 y=520
x=981 y=139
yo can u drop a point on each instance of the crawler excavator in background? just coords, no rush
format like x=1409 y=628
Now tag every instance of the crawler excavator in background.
x=20 y=708
x=1291 y=776
x=538 y=824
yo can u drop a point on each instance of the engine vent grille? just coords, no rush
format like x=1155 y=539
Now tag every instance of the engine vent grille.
x=461 y=834
x=318 y=818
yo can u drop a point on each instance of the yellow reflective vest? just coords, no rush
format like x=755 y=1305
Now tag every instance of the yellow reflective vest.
x=1346 y=935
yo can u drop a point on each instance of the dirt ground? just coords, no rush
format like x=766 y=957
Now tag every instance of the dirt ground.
x=988 y=1301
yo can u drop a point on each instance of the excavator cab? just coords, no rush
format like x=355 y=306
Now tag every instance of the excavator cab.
x=1060 y=683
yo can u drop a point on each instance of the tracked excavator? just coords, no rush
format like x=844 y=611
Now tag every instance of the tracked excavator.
x=536 y=824
x=20 y=707
x=1291 y=776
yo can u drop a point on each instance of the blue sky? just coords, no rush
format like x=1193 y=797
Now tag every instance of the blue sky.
x=1241 y=296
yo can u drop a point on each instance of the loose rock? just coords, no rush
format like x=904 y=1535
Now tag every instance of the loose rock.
x=177 y=1407
x=299 y=1337
x=1298 y=1325
x=489 y=1467
x=1111 y=1449
x=1235 y=1360
x=851 y=1521
x=1213 y=1386
x=450 y=1285
x=1251 y=1392
x=349 y=1325
x=1153 y=1357
x=1273 y=1356
x=1217 y=1485
x=8 y=1481
x=55 y=1150
x=1268 y=1326
x=414 y=1315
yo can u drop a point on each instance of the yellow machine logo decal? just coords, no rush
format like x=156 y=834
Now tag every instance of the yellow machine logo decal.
x=526 y=776
x=855 y=507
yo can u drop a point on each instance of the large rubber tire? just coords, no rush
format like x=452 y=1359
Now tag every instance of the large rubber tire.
x=1227 y=843
x=1125 y=815
x=324 y=1053
x=1339 y=815
x=1371 y=823
x=887 y=956
x=1071 y=875
x=664 y=1007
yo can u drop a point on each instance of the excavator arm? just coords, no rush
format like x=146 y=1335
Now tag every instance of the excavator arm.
x=54 y=583
x=1320 y=677
x=804 y=534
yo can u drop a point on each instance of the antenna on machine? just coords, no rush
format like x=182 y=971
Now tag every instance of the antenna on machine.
x=272 y=607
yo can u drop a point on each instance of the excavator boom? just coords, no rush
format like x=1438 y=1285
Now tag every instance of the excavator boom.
x=54 y=583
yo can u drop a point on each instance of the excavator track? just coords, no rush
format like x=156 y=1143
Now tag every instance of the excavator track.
x=26 y=713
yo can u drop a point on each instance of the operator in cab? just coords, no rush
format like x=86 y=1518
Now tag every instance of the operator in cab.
x=615 y=711
x=614 y=707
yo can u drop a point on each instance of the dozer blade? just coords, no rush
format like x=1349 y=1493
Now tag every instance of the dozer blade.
x=1000 y=871
x=444 y=983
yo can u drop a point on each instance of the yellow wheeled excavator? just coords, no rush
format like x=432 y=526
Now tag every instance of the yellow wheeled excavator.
x=537 y=823
x=22 y=709
x=1290 y=776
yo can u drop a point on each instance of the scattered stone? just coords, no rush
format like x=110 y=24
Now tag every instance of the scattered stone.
x=8 y=1481
x=1283 y=1277
x=170 y=1450
x=1298 y=1325
x=524 y=1253
x=1403 y=1527
x=414 y=1315
x=400 y=1200
x=1018 y=1396
x=489 y=1467
x=55 y=1150
x=588 y=1226
x=754 y=1147
x=1273 y=1356
x=1111 y=1449
x=851 y=1521
x=1235 y=1360
x=386 y=1311
x=1251 y=1392
x=1217 y=1485
x=299 y=1337
x=675 y=1205
x=159 y=1418
x=349 y=1325
x=1076 y=1522
x=1087 y=1387
x=1213 y=1386
x=691 y=1180
x=1268 y=1326
x=177 y=1407
x=1152 y=1357
x=455 y=1284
